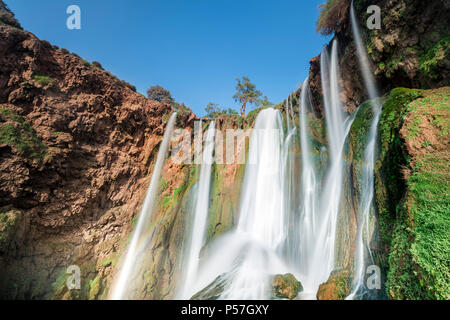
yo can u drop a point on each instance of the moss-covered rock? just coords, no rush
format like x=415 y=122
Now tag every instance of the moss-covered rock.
x=286 y=286
x=225 y=196
x=17 y=133
x=419 y=260
x=411 y=183
x=95 y=288
x=337 y=287
x=392 y=161
x=9 y=221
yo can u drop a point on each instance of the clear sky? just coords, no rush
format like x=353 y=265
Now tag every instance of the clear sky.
x=194 y=48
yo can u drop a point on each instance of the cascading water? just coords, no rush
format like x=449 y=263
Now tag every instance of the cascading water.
x=120 y=287
x=366 y=205
x=276 y=232
x=309 y=194
x=321 y=261
x=200 y=215
x=272 y=236
x=261 y=220
x=289 y=186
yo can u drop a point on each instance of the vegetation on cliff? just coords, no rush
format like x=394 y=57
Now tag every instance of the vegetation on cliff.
x=100 y=138
x=7 y=16
x=412 y=191
x=333 y=16
x=17 y=133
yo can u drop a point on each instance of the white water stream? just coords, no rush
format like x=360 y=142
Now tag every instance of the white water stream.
x=120 y=286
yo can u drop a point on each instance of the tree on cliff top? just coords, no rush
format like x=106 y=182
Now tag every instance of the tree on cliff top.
x=7 y=16
x=158 y=93
x=213 y=110
x=332 y=16
x=246 y=93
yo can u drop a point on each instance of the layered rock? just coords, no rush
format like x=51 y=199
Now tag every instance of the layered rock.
x=76 y=148
x=411 y=49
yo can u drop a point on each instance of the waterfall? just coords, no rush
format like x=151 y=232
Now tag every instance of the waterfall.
x=363 y=59
x=289 y=187
x=120 y=287
x=321 y=261
x=308 y=197
x=198 y=229
x=366 y=205
x=261 y=227
x=287 y=221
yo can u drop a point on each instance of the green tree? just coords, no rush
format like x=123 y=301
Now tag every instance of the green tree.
x=265 y=102
x=212 y=109
x=246 y=93
x=232 y=111
x=158 y=93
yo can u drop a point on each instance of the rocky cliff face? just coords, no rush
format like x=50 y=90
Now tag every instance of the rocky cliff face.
x=76 y=147
x=410 y=50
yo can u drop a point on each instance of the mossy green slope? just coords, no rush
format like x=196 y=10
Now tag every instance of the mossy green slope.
x=412 y=193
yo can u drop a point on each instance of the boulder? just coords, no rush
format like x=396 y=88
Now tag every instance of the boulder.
x=337 y=287
x=286 y=286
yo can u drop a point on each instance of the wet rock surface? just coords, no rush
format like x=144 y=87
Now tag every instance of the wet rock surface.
x=286 y=286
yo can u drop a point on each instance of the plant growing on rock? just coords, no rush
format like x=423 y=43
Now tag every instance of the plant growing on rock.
x=332 y=16
x=213 y=111
x=158 y=93
x=7 y=17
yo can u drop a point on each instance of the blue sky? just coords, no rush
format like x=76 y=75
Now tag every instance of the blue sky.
x=194 y=48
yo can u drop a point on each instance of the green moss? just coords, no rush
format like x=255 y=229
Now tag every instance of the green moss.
x=390 y=185
x=359 y=132
x=402 y=282
x=419 y=263
x=416 y=229
x=436 y=101
x=19 y=134
x=225 y=196
x=337 y=286
x=43 y=80
x=9 y=220
x=59 y=286
x=110 y=261
x=94 y=288
x=429 y=62
x=172 y=199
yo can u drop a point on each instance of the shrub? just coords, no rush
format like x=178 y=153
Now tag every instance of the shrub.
x=332 y=16
x=158 y=93
x=18 y=133
x=43 y=80
x=7 y=17
x=46 y=44
x=86 y=63
x=128 y=85
x=97 y=65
